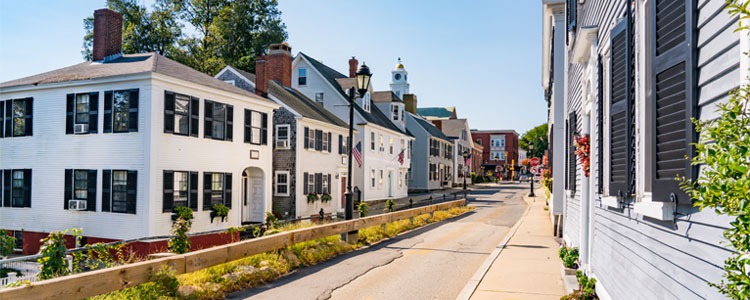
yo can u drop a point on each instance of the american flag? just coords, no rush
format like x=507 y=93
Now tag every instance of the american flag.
x=401 y=157
x=468 y=159
x=356 y=152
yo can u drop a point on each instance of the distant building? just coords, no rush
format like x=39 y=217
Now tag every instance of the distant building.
x=114 y=145
x=446 y=119
x=500 y=150
x=432 y=156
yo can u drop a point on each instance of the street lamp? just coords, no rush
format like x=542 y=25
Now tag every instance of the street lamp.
x=363 y=82
x=531 y=192
x=466 y=157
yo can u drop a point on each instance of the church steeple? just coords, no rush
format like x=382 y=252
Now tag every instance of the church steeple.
x=399 y=82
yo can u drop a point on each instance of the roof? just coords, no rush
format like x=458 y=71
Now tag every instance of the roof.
x=306 y=107
x=375 y=116
x=384 y=97
x=248 y=75
x=498 y=131
x=127 y=65
x=453 y=127
x=430 y=128
x=436 y=112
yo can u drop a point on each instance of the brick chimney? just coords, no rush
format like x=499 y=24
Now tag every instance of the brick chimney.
x=410 y=103
x=353 y=63
x=107 y=34
x=276 y=65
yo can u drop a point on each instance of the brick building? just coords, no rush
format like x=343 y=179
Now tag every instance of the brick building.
x=500 y=149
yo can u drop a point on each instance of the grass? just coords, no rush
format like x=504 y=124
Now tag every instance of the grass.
x=215 y=282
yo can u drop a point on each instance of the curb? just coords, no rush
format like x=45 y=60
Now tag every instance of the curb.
x=473 y=283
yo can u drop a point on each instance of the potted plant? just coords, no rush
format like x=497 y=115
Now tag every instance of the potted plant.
x=7 y=243
x=569 y=257
x=325 y=198
x=182 y=211
x=312 y=197
x=219 y=210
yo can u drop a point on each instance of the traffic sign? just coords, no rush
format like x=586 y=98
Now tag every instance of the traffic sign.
x=535 y=170
x=534 y=162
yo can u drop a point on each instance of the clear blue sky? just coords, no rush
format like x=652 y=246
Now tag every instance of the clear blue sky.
x=484 y=57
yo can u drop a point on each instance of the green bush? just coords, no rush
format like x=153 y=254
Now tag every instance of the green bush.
x=53 y=254
x=7 y=243
x=389 y=205
x=569 y=256
x=362 y=208
x=221 y=210
x=179 y=243
x=325 y=198
x=586 y=288
x=312 y=197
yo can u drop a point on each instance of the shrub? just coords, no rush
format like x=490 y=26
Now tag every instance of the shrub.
x=220 y=209
x=325 y=198
x=362 y=208
x=389 y=204
x=272 y=220
x=7 y=243
x=569 y=256
x=586 y=288
x=179 y=243
x=312 y=197
x=53 y=254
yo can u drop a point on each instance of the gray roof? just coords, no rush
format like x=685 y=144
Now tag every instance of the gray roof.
x=431 y=129
x=248 y=75
x=306 y=107
x=453 y=127
x=375 y=116
x=127 y=65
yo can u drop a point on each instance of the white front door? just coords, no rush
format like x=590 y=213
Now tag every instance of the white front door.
x=253 y=202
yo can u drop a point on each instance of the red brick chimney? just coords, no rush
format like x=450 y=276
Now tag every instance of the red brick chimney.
x=353 y=62
x=107 y=34
x=276 y=65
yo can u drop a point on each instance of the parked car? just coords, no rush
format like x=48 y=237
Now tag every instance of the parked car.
x=524 y=178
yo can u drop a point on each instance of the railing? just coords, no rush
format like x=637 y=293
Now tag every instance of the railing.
x=112 y=279
x=27 y=265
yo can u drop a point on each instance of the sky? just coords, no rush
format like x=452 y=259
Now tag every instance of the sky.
x=481 y=56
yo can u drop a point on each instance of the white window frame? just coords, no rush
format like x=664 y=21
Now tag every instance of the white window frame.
x=380 y=182
x=299 y=72
x=319 y=97
x=372 y=178
x=277 y=139
x=230 y=82
x=276 y=183
x=325 y=138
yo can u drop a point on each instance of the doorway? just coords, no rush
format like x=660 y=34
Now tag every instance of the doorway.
x=253 y=196
x=390 y=183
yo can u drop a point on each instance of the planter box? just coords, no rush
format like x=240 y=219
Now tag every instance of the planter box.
x=570 y=282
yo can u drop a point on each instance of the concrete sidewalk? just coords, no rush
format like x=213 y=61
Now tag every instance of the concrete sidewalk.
x=525 y=265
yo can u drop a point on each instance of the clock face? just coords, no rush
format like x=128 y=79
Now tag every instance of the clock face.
x=397 y=76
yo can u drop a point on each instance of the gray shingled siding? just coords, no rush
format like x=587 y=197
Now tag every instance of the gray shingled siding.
x=285 y=160
x=238 y=81
x=640 y=258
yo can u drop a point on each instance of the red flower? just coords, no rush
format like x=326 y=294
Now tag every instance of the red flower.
x=583 y=150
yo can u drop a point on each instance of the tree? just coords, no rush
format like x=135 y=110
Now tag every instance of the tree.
x=536 y=136
x=230 y=32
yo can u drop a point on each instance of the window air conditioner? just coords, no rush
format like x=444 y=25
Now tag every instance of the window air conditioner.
x=81 y=128
x=76 y=204
x=282 y=144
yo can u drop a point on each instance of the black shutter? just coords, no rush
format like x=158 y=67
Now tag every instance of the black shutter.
x=2 y=120
x=621 y=136
x=69 y=108
x=168 y=191
x=229 y=123
x=93 y=112
x=9 y=118
x=7 y=187
x=600 y=128
x=27 y=188
x=208 y=119
x=571 y=12
x=307 y=137
x=674 y=97
x=195 y=104
x=206 y=191
x=329 y=184
x=169 y=107
x=264 y=129
x=132 y=191
x=318 y=183
x=248 y=131
x=318 y=139
x=341 y=144
x=68 y=194
x=193 y=197
x=106 y=189
x=29 y=118
x=305 y=181
x=91 y=195
x=329 y=142
x=107 y=112
x=133 y=119
x=228 y=190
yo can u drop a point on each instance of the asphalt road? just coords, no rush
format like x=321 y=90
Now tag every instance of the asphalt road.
x=433 y=262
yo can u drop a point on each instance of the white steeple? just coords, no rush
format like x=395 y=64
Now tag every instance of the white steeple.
x=399 y=82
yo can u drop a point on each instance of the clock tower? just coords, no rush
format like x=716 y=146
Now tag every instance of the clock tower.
x=399 y=83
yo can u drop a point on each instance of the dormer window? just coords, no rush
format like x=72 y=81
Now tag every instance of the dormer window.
x=394 y=109
x=319 y=97
x=366 y=102
x=302 y=76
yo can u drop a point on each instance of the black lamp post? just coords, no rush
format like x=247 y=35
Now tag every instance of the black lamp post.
x=531 y=192
x=466 y=156
x=363 y=82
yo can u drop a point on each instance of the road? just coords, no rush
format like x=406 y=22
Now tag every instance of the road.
x=433 y=262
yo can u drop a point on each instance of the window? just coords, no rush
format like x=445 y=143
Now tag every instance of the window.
x=180 y=189
x=119 y=191
x=121 y=111
x=282 y=183
x=380 y=182
x=382 y=146
x=326 y=141
x=218 y=121
x=309 y=183
x=325 y=185
x=256 y=127
x=394 y=109
x=18 y=117
x=366 y=102
x=372 y=141
x=400 y=179
x=80 y=185
x=82 y=111
x=408 y=152
x=302 y=76
x=319 y=97
x=479 y=141
x=282 y=136
x=17 y=188
x=372 y=178
x=390 y=140
x=229 y=82
x=181 y=114
x=217 y=189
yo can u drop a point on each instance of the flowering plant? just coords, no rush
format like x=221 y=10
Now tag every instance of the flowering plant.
x=583 y=149
x=526 y=162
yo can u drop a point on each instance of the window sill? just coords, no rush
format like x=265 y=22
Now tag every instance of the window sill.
x=663 y=211
x=610 y=201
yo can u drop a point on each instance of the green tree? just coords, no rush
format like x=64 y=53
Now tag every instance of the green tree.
x=536 y=136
